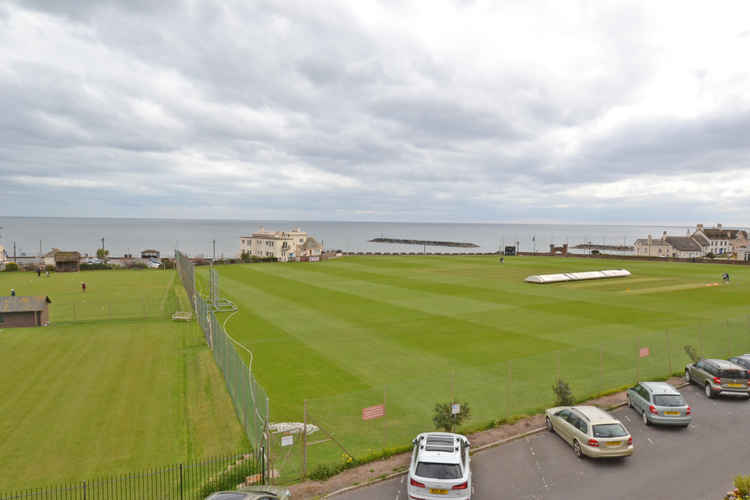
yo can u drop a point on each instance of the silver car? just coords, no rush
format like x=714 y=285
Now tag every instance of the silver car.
x=591 y=431
x=659 y=403
x=718 y=376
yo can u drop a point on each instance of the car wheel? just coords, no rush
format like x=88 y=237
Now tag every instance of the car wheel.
x=548 y=423
x=687 y=377
x=709 y=392
x=577 y=449
x=645 y=418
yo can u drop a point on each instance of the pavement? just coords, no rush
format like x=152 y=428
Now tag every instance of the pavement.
x=695 y=463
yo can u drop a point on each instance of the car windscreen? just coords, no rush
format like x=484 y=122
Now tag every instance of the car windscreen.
x=733 y=373
x=438 y=471
x=669 y=400
x=609 y=431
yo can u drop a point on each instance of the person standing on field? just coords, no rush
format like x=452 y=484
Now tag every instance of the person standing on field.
x=83 y=286
x=12 y=292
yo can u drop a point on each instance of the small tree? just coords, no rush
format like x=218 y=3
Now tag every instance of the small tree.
x=245 y=256
x=11 y=266
x=692 y=353
x=445 y=419
x=102 y=253
x=563 y=394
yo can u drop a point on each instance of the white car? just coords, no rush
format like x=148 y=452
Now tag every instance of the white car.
x=440 y=467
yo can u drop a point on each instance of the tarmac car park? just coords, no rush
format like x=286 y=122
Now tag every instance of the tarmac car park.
x=664 y=465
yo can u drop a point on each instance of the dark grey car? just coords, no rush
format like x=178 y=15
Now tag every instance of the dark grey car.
x=718 y=376
x=743 y=361
x=252 y=493
x=659 y=403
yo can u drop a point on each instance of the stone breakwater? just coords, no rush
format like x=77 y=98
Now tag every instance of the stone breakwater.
x=428 y=243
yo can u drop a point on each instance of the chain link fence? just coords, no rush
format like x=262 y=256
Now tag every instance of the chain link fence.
x=250 y=400
x=346 y=431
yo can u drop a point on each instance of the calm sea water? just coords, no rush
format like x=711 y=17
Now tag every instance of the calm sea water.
x=195 y=236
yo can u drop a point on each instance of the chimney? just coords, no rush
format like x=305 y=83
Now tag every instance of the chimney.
x=664 y=235
x=718 y=226
x=649 y=240
x=699 y=227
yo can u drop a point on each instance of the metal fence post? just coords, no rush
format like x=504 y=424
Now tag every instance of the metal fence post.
x=669 y=353
x=601 y=369
x=508 y=396
x=181 y=480
x=304 y=443
x=84 y=490
x=74 y=312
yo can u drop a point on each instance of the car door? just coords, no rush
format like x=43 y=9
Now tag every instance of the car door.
x=636 y=396
x=560 y=423
x=699 y=372
x=644 y=399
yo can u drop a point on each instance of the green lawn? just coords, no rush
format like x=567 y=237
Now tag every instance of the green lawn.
x=348 y=333
x=90 y=397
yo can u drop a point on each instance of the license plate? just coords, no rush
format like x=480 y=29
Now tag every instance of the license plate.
x=671 y=412
x=735 y=385
x=435 y=491
x=614 y=443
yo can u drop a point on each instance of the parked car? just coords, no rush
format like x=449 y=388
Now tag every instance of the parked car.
x=659 y=403
x=153 y=264
x=440 y=467
x=591 y=431
x=252 y=493
x=718 y=376
x=743 y=361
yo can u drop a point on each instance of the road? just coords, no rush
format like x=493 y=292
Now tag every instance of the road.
x=696 y=463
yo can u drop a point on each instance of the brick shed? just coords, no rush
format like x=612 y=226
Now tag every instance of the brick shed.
x=24 y=311
x=67 y=262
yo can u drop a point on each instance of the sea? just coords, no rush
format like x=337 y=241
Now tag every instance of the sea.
x=199 y=237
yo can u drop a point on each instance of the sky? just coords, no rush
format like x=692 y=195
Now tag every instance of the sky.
x=453 y=111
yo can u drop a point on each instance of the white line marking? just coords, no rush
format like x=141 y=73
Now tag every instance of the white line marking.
x=627 y=418
x=650 y=441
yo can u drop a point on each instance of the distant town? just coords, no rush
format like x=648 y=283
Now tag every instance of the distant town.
x=296 y=245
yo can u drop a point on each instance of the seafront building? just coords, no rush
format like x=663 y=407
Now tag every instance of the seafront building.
x=715 y=241
x=281 y=245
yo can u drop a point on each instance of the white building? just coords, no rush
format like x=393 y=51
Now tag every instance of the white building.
x=283 y=245
x=719 y=241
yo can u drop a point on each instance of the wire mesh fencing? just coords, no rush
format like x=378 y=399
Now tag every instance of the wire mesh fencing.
x=250 y=400
x=361 y=425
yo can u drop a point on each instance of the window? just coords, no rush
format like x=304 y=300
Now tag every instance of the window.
x=609 y=431
x=669 y=400
x=2 y=320
x=438 y=471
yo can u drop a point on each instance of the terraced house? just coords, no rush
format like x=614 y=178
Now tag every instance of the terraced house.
x=716 y=241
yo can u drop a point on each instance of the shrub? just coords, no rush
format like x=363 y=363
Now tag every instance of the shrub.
x=444 y=419
x=742 y=483
x=11 y=266
x=692 y=353
x=94 y=267
x=563 y=394
x=49 y=268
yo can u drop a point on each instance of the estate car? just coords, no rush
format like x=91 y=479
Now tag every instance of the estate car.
x=659 y=403
x=252 y=493
x=591 y=431
x=440 y=467
x=718 y=376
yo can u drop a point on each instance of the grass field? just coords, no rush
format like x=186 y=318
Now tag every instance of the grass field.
x=85 y=398
x=349 y=333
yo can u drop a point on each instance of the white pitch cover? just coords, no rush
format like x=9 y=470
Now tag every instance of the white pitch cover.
x=585 y=275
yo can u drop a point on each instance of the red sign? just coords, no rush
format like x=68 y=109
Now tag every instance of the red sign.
x=371 y=412
x=644 y=352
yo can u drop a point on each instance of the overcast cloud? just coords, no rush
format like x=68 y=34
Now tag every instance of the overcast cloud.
x=515 y=111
